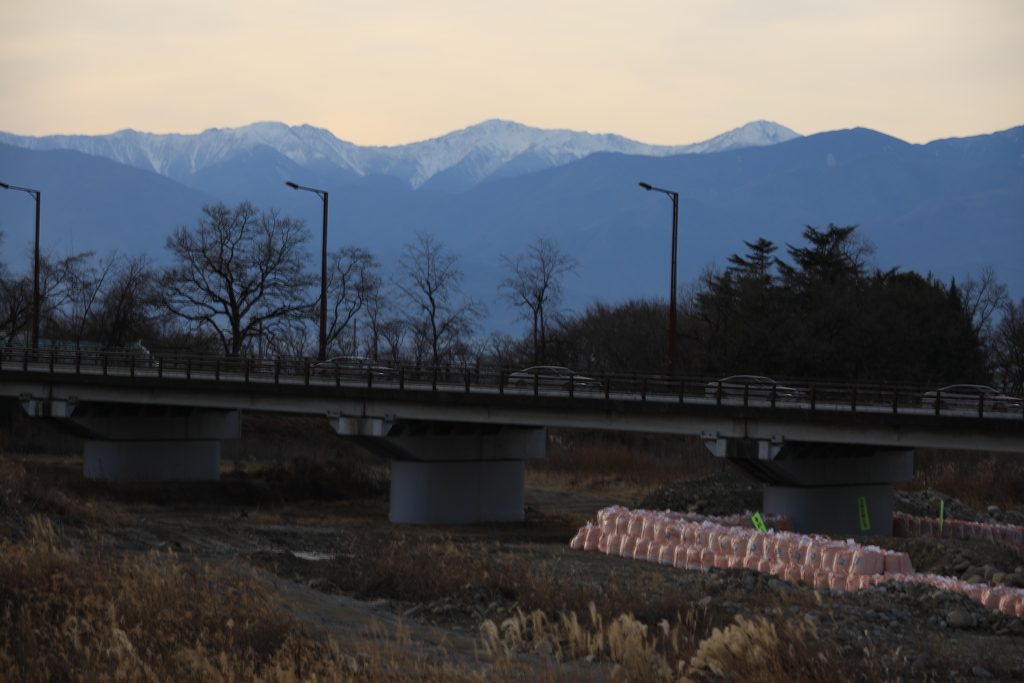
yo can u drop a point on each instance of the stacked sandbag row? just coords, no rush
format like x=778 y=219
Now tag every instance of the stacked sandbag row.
x=905 y=525
x=1003 y=598
x=668 y=538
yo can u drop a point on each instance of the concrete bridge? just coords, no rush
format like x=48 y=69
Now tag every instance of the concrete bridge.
x=459 y=438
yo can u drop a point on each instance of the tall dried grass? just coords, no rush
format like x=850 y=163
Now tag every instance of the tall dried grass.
x=978 y=478
x=749 y=649
x=589 y=459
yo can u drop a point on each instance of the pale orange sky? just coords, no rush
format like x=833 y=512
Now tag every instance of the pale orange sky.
x=396 y=71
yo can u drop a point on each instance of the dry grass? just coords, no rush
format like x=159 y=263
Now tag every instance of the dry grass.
x=977 y=478
x=593 y=460
x=754 y=649
x=22 y=494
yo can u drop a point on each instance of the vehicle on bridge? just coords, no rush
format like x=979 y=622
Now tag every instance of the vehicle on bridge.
x=753 y=387
x=552 y=376
x=355 y=367
x=972 y=396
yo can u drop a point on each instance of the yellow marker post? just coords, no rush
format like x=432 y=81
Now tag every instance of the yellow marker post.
x=862 y=506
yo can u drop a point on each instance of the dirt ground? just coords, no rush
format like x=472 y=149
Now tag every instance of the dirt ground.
x=908 y=628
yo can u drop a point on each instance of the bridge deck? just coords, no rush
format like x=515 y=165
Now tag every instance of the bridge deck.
x=884 y=416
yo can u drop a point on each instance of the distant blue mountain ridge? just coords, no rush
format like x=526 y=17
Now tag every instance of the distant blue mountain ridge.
x=949 y=207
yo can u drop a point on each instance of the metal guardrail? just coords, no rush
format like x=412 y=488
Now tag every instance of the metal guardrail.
x=815 y=396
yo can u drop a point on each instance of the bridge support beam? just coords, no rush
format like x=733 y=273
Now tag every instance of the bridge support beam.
x=451 y=473
x=128 y=443
x=835 y=489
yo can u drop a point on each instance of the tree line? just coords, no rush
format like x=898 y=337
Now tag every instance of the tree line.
x=822 y=312
x=238 y=283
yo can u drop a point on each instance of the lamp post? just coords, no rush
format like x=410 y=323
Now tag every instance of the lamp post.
x=35 y=266
x=674 y=196
x=322 y=355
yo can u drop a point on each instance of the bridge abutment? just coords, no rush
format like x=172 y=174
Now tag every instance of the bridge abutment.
x=825 y=488
x=127 y=443
x=451 y=473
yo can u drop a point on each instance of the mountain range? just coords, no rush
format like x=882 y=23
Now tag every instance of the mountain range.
x=454 y=162
x=949 y=207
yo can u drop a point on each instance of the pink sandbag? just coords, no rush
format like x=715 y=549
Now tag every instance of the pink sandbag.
x=751 y=561
x=991 y=596
x=654 y=551
x=915 y=525
x=792 y=574
x=755 y=544
x=679 y=556
x=807 y=575
x=627 y=546
x=636 y=526
x=828 y=557
x=814 y=550
x=593 y=538
x=891 y=563
x=622 y=525
x=640 y=549
x=733 y=562
x=707 y=558
x=837 y=581
x=864 y=562
x=648 y=529
x=613 y=543
x=577 y=541
x=844 y=560
x=693 y=557
x=782 y=550
x=668 y=553
x=821 y=578
x=1008 y=603
x=905 y=566
x=721 y=560
x=689 y=535
x=602 y=542
x=764 y=565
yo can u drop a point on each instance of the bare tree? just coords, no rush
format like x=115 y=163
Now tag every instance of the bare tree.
x=534 y=286
x=353 y=279
x=15 y=303
x=438 y=314
x=982 y=299
x=240 y=269
x=125 y=311
x=1008 y=347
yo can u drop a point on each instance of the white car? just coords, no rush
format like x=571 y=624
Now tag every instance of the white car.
x=752 y=386
x=552 y=376
x=969 y=396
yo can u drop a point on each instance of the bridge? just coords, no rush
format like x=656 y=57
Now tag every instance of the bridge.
x=459 y=438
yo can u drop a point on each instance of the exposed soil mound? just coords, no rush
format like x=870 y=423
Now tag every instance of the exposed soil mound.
x=727 y=492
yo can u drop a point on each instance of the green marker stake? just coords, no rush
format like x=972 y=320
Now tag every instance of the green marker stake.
x=758 y=522
x=862 y=506
x=942 y=514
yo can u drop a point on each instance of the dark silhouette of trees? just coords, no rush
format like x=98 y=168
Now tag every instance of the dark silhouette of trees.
x=353 y=281
x=534 y=286
x=238 y=271
x=1008 y=348
x=438 y=315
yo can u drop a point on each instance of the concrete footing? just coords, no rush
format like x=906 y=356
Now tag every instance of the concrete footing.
x=152 y=461
x=834 y=510
x=457 y=492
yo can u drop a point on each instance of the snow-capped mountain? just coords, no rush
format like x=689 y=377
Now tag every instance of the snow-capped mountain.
x=457 y=161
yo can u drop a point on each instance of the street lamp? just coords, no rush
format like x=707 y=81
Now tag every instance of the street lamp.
x=323 y=272
x=35 y=267
x=674 y=196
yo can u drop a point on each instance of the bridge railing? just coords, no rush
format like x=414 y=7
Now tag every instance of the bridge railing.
x=483 y=379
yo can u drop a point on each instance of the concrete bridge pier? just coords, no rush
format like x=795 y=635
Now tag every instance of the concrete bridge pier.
x=129 y=443
x=826 y=488
x=451 y=473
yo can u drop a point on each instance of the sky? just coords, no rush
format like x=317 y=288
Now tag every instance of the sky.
x=390 y=72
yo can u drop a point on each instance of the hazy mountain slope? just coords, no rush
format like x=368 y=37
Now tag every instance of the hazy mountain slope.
x=89 y=203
